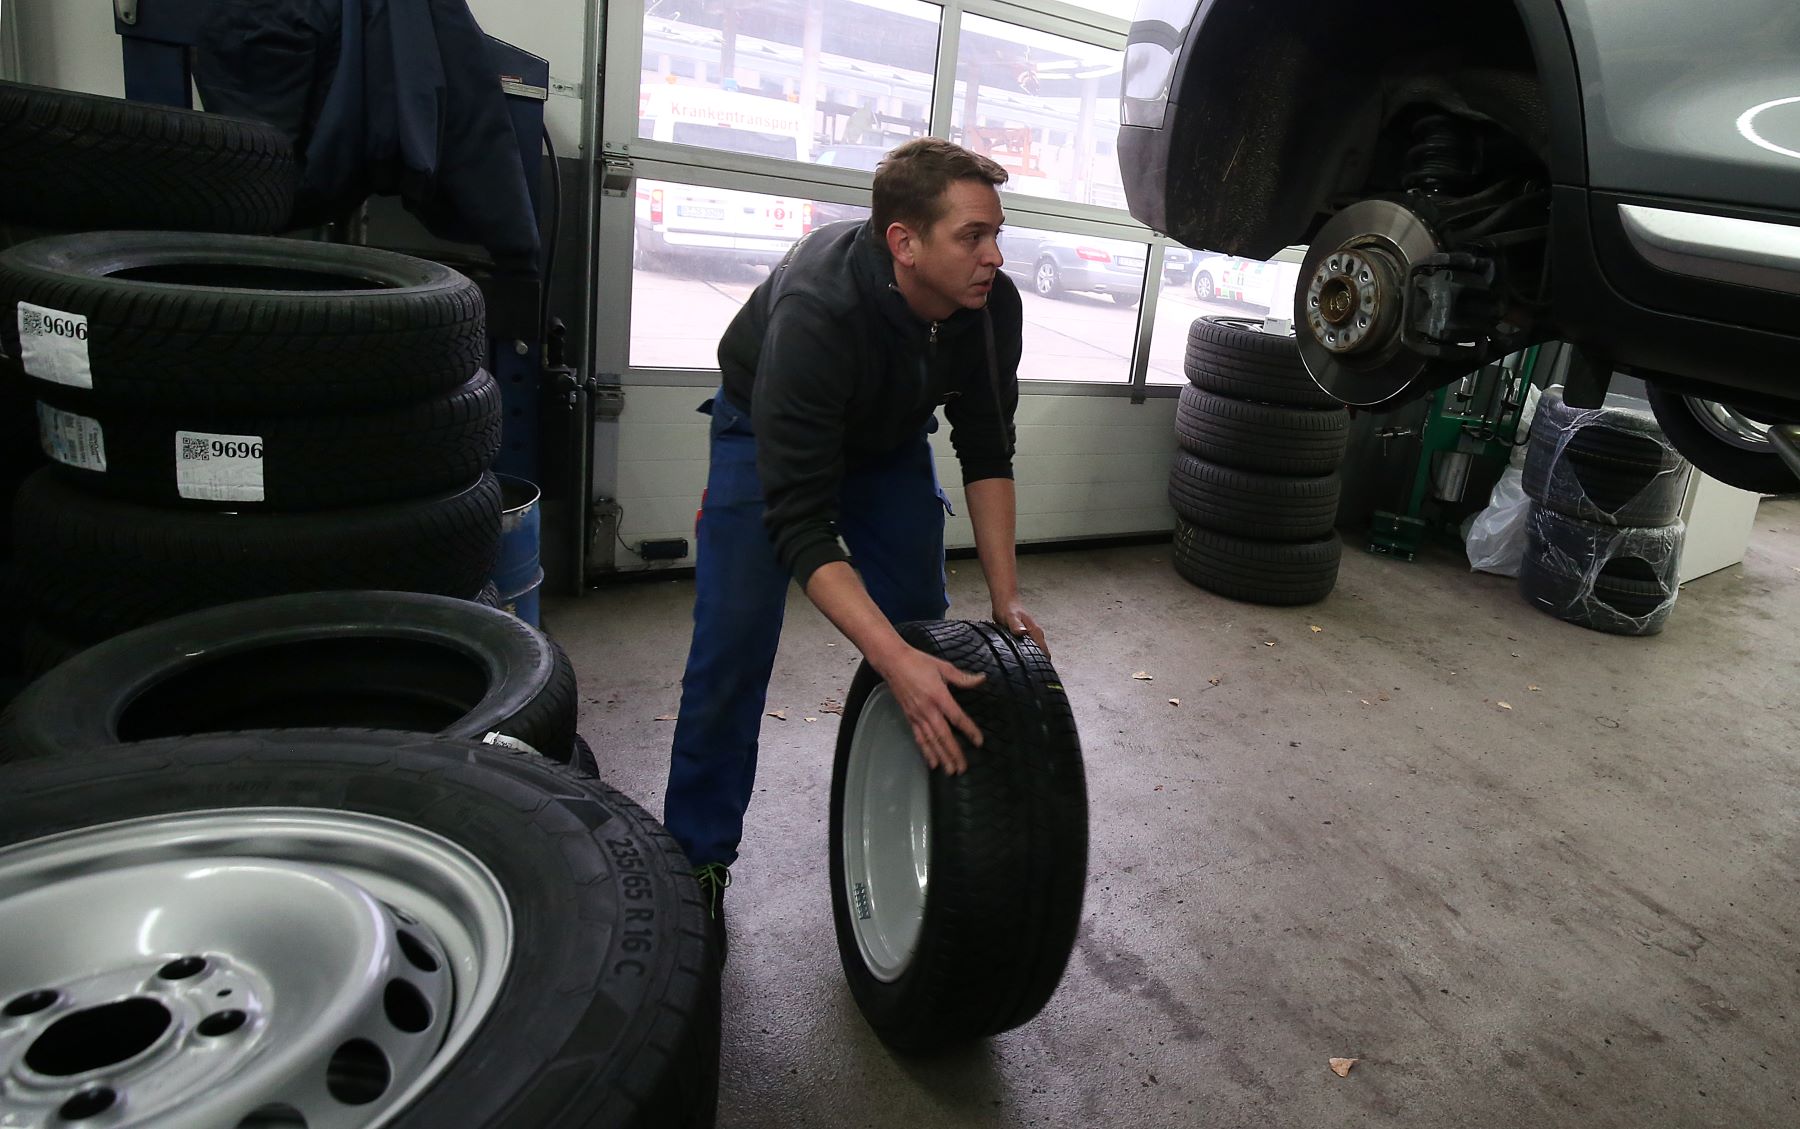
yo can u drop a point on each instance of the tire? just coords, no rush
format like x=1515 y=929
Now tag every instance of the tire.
x=1045 y=279
x=1722 y=442
x=489 y=596
x=1007 y=851
x=1266 y=507
x=1204 y=289
x=1266 y=438
x=1231 y=357
x=96 y=566
x=1257 y=572
x=1621 y=581
x=335 y=660
x=1606 y=465
x=564 y=909
x=241 y=323
x=42 y=650
x=82 y=162
x=310 y=462
x=584 y=761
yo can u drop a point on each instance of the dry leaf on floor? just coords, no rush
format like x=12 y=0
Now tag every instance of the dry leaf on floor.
x=1381 y=697
x=1341 y=1066
x=831 y=644
x=1158 y=788
x=1533 y=688
x=1270 y=643
x=1212 y=682
x=832 y=705
x=1364 y=701
x=1141 y=676
x=1174 y=701
x=666 y=717
x=812 y=719
x=778 y=715
x=1316 y=628
x=1504 y=705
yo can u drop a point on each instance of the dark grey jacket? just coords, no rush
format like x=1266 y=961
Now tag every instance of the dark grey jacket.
x=835 y=368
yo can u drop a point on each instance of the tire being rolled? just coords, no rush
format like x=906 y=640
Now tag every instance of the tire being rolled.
x=993 y=928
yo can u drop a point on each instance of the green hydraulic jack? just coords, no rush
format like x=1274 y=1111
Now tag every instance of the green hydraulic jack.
x=1475 y=418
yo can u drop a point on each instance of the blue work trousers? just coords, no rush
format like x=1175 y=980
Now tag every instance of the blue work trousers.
x=891 y=518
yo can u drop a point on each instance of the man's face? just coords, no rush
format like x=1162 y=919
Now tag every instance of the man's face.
x=955 y=261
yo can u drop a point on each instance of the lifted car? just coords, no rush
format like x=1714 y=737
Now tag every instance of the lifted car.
x=1476 y=177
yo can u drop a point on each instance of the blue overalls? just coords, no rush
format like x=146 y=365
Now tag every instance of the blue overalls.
x=890 y=516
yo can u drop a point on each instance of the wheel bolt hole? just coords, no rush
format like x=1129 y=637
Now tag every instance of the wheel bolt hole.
x=88 y=1103
x=182 y=969
x=406 y=1007
x=29 y=1004
x=358 y=1073
x=417 y=954
x=222 y=1023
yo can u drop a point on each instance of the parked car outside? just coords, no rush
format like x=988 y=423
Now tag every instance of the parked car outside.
x=1474 y=178
x=1052 y=264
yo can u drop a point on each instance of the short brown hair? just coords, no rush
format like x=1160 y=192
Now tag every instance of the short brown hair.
x=910 y=181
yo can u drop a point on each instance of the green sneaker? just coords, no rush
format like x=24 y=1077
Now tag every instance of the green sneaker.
x=713 y=878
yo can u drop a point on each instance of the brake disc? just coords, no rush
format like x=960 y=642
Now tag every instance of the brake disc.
x=1349 y=306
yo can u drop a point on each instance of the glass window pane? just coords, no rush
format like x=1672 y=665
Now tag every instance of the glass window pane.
x=783 y=78
x=1045 y=107
x=1081 y=295
x=1196 y=283
x=1124 y=9
x=697 y=254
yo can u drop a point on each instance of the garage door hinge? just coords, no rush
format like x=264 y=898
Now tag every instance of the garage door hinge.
x=616 y=174
x=609 y=397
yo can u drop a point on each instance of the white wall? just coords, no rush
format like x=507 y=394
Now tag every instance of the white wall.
x=1088 y=466
x=69 y=44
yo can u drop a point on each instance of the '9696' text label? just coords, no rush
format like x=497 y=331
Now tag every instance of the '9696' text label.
x=219 y=468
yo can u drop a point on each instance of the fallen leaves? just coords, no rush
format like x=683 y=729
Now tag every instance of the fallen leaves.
x=1341 y=1066
x=832 y=705
x=1504 y=705
x=666 y=717
x=1533 y=688
x=1143 y=676
x=1174 y=701
x=812 y=719
x=1269 y=643
x=1212 y=682
x=1315 y=628
x=778 y=715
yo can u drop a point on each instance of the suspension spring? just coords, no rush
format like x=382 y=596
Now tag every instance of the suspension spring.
x=1440 y=160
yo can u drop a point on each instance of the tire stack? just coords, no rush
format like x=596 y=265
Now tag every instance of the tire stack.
x=1603 y=537
x=1255 y=484
x=227 y=416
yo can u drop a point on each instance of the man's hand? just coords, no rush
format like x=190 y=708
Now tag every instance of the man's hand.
x=1011 y=615
x=921 y=685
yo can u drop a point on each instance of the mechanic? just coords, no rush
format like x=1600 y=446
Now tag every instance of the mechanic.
x=833 y=371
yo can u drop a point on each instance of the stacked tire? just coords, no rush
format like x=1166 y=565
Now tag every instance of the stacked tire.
x=1604 y=535
x=1255 y=484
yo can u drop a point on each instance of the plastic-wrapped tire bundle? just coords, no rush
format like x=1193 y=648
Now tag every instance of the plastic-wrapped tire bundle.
x=1610 y=465
x=1618 y=579
x=1255 y=485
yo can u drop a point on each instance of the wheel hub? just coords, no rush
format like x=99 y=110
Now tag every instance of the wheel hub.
x=222 y=969
x=1349 y=309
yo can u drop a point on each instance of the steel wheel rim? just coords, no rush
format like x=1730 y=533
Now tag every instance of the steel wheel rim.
x=1728 y=425
x=887 y=837
x=359 y=953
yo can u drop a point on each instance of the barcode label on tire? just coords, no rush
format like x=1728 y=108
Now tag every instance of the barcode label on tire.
x=71 y=439
x=53 y=345
x=219 y=468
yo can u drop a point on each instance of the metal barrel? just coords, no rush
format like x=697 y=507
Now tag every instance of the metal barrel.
x=518 y=576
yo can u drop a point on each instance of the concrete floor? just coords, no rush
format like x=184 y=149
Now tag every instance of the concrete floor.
x=1579 y=911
